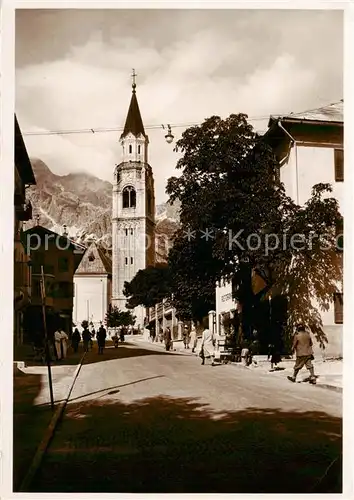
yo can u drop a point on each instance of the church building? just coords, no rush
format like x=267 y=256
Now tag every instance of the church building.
x=133 y=210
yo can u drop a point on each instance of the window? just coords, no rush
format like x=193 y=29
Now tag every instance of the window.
x=138 y=150
x=63 y=264
x=131 y=231
x=129 y=197
x=130 y=148
x=338 y=165
x=126 y=261
x=126 y=232
x=131 y=260
x=91 y=257
x=338 y=308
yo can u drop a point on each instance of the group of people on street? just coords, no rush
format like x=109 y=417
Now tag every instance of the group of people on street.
x=188 y=337
x=87 y=339
x=302 y=347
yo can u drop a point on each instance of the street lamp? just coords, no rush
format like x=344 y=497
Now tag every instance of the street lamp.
x=169 y=137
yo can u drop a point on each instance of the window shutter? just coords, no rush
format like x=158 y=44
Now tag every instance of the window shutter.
x=338 y=165
x=339 y=236
x=338 y=308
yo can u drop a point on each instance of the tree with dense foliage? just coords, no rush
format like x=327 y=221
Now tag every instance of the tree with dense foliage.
x=148 y=287
x=116 y=318
x=237 y=219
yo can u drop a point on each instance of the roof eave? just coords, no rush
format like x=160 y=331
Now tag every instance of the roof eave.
x=310 y=122
x=22 y=160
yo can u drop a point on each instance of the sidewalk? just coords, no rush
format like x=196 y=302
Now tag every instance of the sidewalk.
x=329 y=372
x=32 y=412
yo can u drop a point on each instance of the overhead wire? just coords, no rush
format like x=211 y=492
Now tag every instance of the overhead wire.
x=100 y=130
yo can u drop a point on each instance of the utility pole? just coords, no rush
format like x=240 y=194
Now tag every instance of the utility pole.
x=47 y=354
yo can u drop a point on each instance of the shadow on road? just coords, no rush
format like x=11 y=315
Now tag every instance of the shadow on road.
x=127 y=350
x=166 y=445
x=107 y=391
x=28 y=422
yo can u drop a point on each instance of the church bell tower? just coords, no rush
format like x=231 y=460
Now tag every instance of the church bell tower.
x=133 y=210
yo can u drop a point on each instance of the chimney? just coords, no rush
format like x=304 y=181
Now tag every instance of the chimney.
x=65 y=233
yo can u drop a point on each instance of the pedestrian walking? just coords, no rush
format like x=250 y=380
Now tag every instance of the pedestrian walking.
x=245 y=355
x=252 y=350
x=303 y=347
x=193 y=337
x=153 y=334
x=86 y=338
x=75 y=340
x=274 y=357
x=207 y=347
x=61 y=346
x=93 y=334
x=168 y=339
x=186 y=338
x=161 y=335
x=101 y=339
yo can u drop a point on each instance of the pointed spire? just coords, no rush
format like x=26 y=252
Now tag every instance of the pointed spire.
x=134 y=122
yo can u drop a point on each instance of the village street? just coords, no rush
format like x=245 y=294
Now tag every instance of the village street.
x=142 y=420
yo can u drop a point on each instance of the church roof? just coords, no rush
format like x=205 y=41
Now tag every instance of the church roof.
x=134 y=122
x=95 y=261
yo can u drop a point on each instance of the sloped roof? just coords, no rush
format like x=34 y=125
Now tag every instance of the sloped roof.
x=62 y=240
x=22 y=161
x=134 y=122
x=101 y=263
x=330 y=113
x=106 y=260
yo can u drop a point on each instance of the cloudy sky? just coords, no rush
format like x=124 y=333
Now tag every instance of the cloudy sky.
x=73 y=72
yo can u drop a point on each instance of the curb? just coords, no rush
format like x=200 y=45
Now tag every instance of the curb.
x=330 y=387
x=42 y=448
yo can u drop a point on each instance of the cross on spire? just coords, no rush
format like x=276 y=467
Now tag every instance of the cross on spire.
x=133 y=78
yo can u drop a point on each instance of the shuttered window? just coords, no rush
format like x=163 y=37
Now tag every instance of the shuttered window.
x=338 y=308
x=338 y=165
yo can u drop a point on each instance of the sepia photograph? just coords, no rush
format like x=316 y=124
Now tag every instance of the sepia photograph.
x=178 y=251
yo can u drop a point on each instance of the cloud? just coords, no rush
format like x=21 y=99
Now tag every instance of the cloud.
x=259 y=63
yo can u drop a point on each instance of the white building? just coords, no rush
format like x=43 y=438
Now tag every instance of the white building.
x=226 y=306
x=92 y=286
x=309 y=148
x=133 y=211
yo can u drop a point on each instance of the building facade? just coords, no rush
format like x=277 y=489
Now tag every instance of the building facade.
x=133 y=211
x=92 y=286
x=58 y=256
x=225 y=306
x=24 y=177
x=309 y=148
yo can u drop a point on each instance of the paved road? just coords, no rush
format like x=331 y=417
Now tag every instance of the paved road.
x=144 y=421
